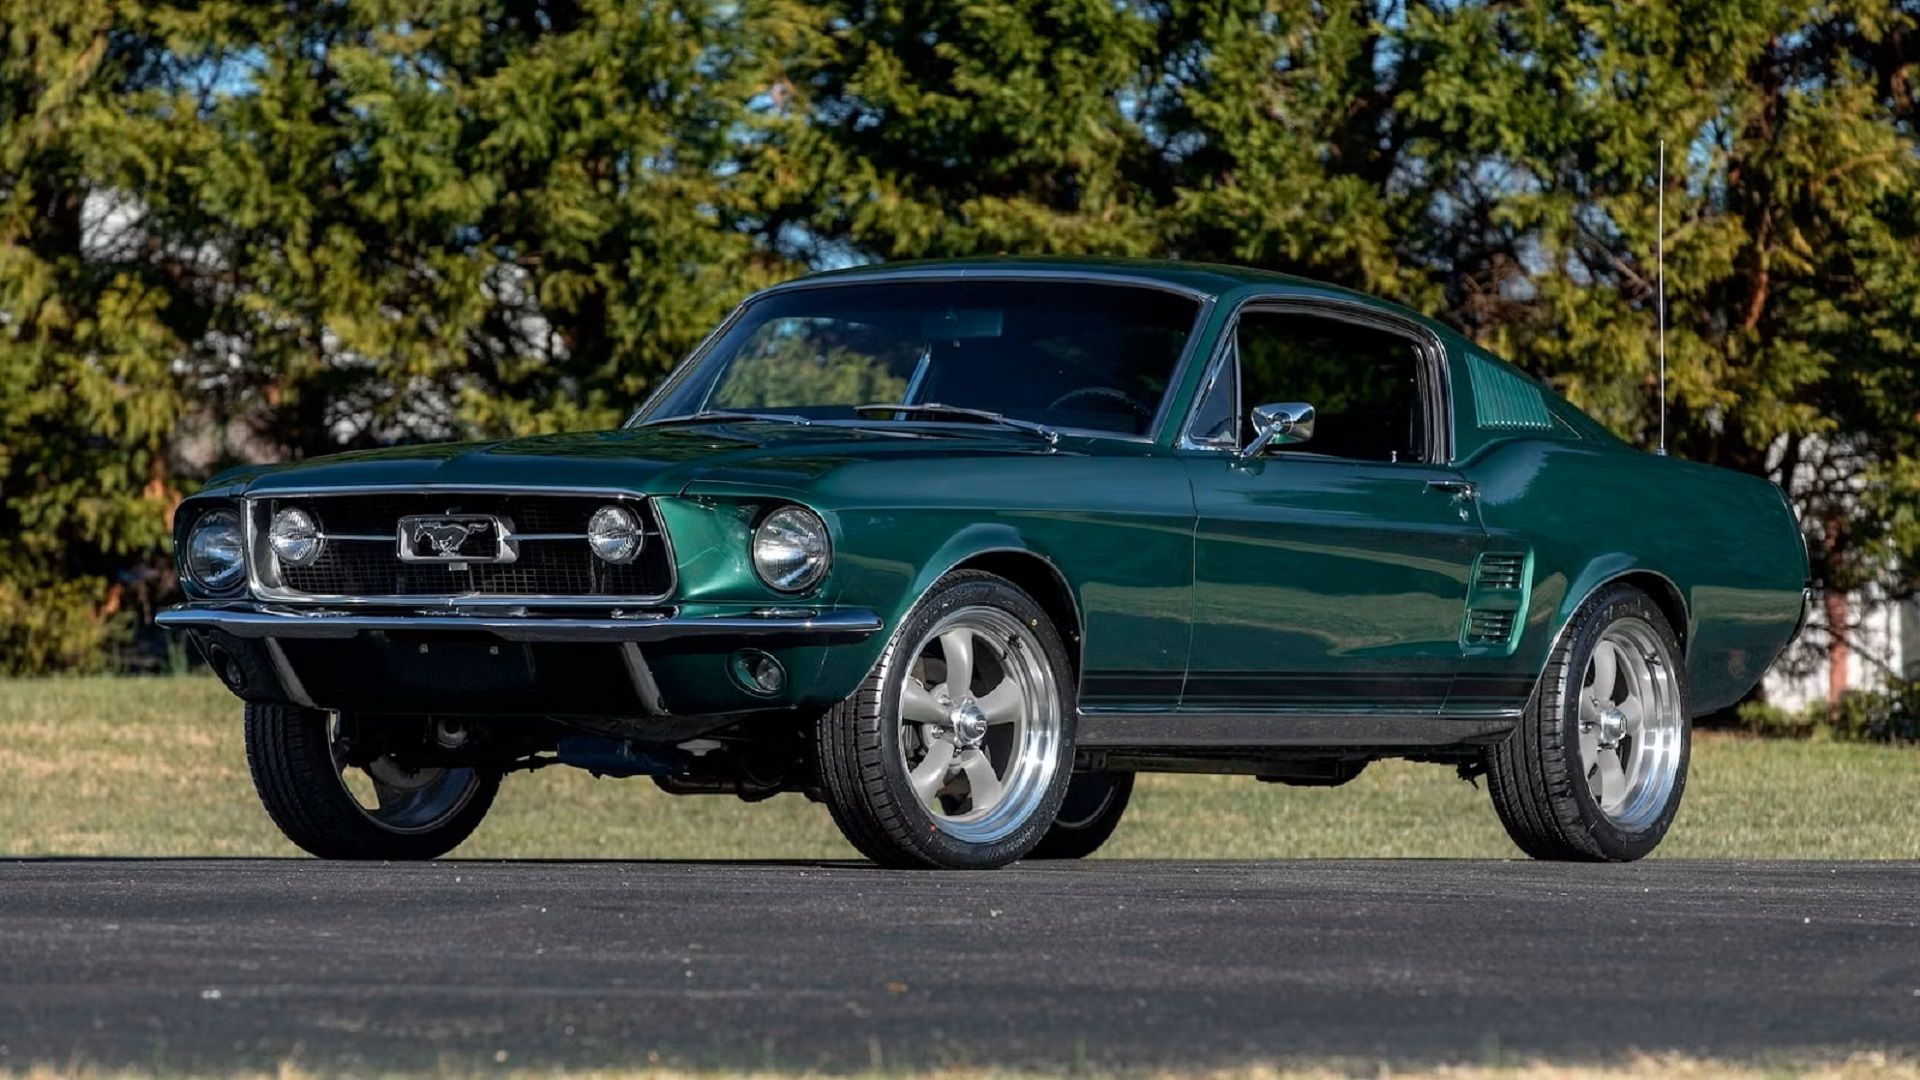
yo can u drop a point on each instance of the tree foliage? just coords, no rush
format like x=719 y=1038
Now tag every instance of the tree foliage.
x=234 y=231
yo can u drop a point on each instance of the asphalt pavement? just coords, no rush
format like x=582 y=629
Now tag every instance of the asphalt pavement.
x=185 y=964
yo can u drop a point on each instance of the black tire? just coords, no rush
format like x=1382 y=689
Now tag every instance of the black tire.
x=859 y=763
x=1088 y=815
x=289 y=755
x=1538 y=783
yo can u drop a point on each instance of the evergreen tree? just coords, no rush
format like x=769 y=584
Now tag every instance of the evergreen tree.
x=237 y=231
x=102 y=302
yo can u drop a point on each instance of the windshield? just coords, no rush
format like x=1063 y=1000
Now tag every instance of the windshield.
x=1064 y=354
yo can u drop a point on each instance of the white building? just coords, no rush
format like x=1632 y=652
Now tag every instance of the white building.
x=1885 y=643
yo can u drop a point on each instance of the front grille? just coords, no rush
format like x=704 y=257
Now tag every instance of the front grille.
x=361 y=557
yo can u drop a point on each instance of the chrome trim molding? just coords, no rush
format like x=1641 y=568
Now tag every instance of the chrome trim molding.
x=257 y=552
x=263 y=621
x=880 y=275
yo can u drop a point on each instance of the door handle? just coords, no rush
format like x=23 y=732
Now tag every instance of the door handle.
x=1459 y=489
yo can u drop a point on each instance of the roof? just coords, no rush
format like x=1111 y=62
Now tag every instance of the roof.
x=1212 y=279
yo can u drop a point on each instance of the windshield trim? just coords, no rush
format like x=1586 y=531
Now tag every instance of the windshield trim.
x=881 y=275
x=1204 y=308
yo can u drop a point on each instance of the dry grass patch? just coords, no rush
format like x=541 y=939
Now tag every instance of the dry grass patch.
x=153 y=766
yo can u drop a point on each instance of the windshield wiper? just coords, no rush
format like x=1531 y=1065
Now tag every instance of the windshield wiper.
x=722 y=415
x=956 y=412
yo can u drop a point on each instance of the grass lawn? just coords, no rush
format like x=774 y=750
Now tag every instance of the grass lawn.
x=153 y=766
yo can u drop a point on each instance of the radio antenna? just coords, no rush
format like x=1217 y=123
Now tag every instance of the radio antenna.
x=1660 y=289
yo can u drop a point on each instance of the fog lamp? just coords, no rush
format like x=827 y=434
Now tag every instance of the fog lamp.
x=295 y=538
x=615 y=535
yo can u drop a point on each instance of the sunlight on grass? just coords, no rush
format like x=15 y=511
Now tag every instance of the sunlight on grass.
x=153 y=766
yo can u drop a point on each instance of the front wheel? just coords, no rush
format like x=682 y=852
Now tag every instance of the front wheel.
x=956 y=750
x=1595 y=769
x=336 y=802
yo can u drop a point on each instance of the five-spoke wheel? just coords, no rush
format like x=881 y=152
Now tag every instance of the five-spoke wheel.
x=979 y=723
x=957 y=749
x=1596 y=768
x=1631 y=724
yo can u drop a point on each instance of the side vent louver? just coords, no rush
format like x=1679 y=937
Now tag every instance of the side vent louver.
x=1504 y=399
x=1489 y=627
x=1497 y=596
x=1502 y=571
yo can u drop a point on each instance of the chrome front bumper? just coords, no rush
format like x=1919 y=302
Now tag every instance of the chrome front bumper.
x=245 y=619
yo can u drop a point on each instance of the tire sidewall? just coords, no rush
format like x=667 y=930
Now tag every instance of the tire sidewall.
x=1613 y=605
x=289 y=758
x=1107 y=787
x=935 y=843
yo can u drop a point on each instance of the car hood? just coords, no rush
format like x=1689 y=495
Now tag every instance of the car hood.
x=652 y=460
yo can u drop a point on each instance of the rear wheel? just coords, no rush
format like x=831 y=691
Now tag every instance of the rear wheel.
x=337 y=802
x=1088 y=815
x=955 y=752
x=1596 y=768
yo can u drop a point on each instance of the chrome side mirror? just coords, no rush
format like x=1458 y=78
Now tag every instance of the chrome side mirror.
x=1279 y=425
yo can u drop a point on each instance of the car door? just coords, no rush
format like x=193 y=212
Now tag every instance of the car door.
x=1330 y=574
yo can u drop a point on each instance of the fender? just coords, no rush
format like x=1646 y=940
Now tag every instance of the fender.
x=1599 y=574
x=847 y=665
x=972 y=543
x=1604 y=571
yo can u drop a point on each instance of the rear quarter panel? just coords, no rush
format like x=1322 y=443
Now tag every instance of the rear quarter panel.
x=1594 y=510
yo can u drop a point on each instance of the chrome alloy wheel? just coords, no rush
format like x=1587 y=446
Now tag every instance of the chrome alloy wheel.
x=979 y=723
x=396 y=798
x=1631 y=727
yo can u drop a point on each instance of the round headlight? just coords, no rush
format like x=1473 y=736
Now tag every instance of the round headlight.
x=791 y=552
x=295 y=538
x=216 y=551
x=614 y=534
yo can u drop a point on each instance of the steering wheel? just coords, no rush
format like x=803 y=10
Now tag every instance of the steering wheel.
x=1104 y=393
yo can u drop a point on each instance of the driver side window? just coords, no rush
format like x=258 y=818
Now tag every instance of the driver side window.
x=1362 y=381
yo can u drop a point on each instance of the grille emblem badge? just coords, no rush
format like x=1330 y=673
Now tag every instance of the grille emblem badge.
x=446 y=537
x=457 y=539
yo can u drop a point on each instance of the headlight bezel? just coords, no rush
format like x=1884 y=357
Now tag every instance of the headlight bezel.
x=224 y=582
x=776 y=528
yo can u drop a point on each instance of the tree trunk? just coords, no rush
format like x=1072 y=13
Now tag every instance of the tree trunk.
x=1836 y=604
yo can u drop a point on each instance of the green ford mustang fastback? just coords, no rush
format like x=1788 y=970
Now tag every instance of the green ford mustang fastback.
x=958 y=548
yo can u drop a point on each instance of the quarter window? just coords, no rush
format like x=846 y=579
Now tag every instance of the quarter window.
x=1215 y=421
